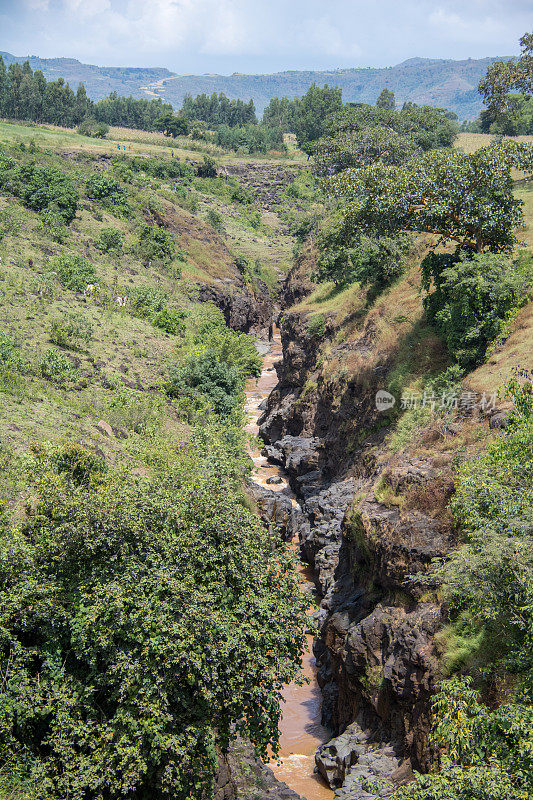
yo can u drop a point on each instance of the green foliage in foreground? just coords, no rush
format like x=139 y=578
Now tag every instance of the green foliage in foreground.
x=141 y=623
x=472 y=298
x=485 y=755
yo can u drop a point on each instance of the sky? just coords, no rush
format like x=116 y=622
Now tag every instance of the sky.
x=251 y=36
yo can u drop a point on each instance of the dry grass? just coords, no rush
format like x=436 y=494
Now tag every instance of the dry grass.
x=470 y=142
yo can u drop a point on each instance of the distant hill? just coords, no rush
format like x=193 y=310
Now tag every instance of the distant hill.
x=99 y=81
x=437 y=82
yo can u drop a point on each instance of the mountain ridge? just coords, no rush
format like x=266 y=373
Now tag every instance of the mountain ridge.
x=445 y=83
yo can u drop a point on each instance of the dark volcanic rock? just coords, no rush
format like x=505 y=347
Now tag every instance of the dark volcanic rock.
x=275 y=509
x=243 y=311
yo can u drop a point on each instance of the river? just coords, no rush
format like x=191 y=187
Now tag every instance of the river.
x=301 y=731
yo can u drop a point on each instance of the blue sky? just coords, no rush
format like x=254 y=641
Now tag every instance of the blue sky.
x=192 y=36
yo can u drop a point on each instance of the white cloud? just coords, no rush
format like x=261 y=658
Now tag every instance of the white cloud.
x=321 y=35
x=262 y=35
x=476 y=28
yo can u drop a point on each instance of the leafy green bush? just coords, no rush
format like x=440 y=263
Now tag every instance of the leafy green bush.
x=147 y=300
x=156 y=244
x=53 y=226
x=207 y=331
x=107 y=191
x=39 y=188
x=71 y=331
x=134 y=618
x=316 y=325
x=486 y=755
x=74 y=272
x=90 y=127
x=168 y=320
x=109 y=240
x=208 y=168
x=78 y=464
x=215 y=220
x=103 y=187
x=470 y=298
x=206 y=375
x=489 y=579
x=241 y=194
x=56 y=367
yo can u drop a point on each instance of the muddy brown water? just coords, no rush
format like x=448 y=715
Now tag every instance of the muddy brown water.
x=301 y=731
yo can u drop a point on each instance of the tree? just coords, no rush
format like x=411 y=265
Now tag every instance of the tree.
x=427 y=127
x=172 y=125
x=386 y=100
x=311 y=113
x=143 y=623
x=504 y=76
x=3 y=87
x=355 y=149
x=463 y=198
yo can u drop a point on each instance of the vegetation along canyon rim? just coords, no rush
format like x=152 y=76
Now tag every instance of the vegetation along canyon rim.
x=266 y=452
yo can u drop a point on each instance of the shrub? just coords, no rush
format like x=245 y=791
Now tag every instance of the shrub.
x=146 y=300
x=208 y=168
x=109 y=240
x=234 y=349
x=470 y=298
x=206 y=375
x=215 y=220
x=241 y=194
x=90 y=127
x=71 y=331
x=107 y=191
x=56 y=367
x=316 y=325
x=77 y=463
x=53 y=226
x=74 y=272
x=43 y=188
x=346 y=258
x=120 y=601
x=168 y=320
x=156 y=244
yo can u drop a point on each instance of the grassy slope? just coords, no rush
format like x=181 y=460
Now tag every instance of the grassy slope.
x=120 y=373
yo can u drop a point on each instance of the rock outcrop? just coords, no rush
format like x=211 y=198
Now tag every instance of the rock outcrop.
x=369 y=525
x=244 y=309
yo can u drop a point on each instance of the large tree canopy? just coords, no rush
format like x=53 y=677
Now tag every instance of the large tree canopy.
x=141 y=622
x=462 y=198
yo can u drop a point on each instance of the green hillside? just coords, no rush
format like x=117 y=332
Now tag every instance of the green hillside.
x=437 y=82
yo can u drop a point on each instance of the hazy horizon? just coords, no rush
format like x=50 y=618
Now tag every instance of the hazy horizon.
x=238 y=36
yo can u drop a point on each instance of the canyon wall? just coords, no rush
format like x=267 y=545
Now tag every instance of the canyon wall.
x=371 y=521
